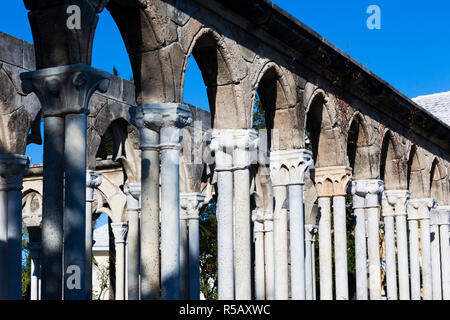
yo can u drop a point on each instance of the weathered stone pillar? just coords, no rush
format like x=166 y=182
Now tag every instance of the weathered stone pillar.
x=310 y=234
x=388 y=211
x=358 y=189
x=93 y=180
x=12 y=169
x=280 y=179
x=440 y=252
x=190 y=204
x=64 y=93
x=133 y=192
x=222 y=145
x=419 y=210
x=120 y=230
x=34 y=247
x=297 y=162
x=258 y=240
x=397 y=200
x=167 y=119
x=333 y=182
x=150 y=177
x=269 y=258
x=244 y=142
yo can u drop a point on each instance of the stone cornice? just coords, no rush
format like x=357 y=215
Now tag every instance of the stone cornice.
x=296 y=162
x=332 y=181
x=419 y=209
x=394 y=202
x=66 y=89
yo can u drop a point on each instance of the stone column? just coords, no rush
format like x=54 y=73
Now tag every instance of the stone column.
x=222 y=144
x=93 y=180
x=133 y=192
x=120 y=230
x=280 y=179
x=64 y=93
x=440 y=252
x=269 y=255
x=258 y=240
x=388 y=211
x=419 y=210
x=310 y=234
x=244 y=142
x=167 y=119
x=296 y=162
x=150 y=177
x=190 y=207
x=12 y=169
x=333 y=182
x=358 y=192
x=34 y=247
x=397 y=199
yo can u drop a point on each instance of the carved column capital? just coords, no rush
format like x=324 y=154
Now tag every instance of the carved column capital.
x=120 y=230
x=310 y=232
x=394 y=202
x=190 y=204
x=66 y=89
x=440 y=215
x=366 y=193
x=332 y=181
x=12 y=169
x=133 y=193
x=93 y=180
x=234 y=148
x=419 y=209
x=296 y=162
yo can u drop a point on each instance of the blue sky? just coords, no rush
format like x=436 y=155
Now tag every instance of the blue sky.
x=411 y=51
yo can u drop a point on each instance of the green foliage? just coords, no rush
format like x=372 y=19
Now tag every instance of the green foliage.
x=26 y=264
x=208 y=252
x=259 y=118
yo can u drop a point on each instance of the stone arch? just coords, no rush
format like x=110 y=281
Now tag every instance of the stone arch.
x=437 y=182
x=392 y=166
x=358 y=148
x=278 y=104
x=215 y=63
x=321 y=132
x=32 y=208
x=416 y=178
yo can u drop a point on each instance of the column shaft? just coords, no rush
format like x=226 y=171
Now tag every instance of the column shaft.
x=297 y=241
x=340 y=247
x=14 y=244
x=133 y=254
x=445 y=261
x=194 y=259
x=3 y=243
x=325 y=263
x=373 y=247
x=242 y=235
x=184 y=260
x=259 y=260
x=436 y=262
x=34 y=286
x=360 y=252
x=88 y=249
x=414 y=259
x=53 y=208
x=427 y=279
x=280 y=227
x=150 y=256
x=308 y=263
x=269 y=260
x=170 y=214
x=391 y=264
x=402 y=256
x=75 y=208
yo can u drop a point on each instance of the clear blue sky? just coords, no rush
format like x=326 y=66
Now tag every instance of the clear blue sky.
x=411 y=51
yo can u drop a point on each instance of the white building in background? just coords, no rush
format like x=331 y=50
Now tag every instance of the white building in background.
x=100 y=261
